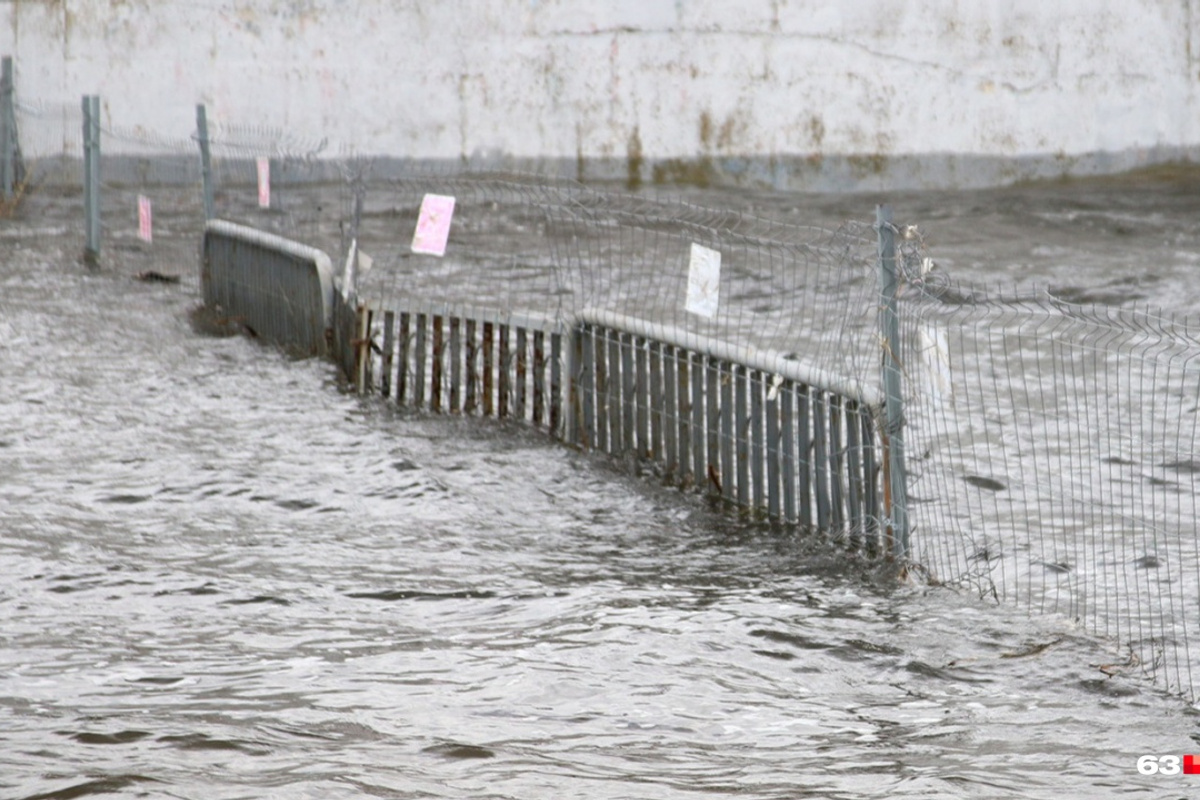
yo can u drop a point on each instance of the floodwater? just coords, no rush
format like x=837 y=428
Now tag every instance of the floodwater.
x=222 y=576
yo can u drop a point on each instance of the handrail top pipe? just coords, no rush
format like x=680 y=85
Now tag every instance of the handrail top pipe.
x=270 y=241
x=747 y=355
x=528 y=320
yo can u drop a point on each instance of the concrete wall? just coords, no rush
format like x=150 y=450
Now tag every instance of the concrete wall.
x=795 y=93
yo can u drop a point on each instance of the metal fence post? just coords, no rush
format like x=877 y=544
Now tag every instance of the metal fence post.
x=894 y=478
x=8 y=132
x=205 y=160
x=91 y=177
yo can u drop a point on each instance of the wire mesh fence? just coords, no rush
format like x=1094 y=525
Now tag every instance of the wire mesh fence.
x=1053 y=460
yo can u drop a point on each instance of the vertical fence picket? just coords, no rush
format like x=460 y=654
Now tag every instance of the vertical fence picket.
x=628 y=395
x=854 y=479
x=642 y=397
x=771 y=409
x=728 y=433
x=435 y=364
x=471 y=390
x=389 y=344
x=787 y=447
x=521 y=373
x=670 y=416
x=808 y=475
x=820 y=420
x=757 y=454
x=699 y=437
x=402 y=365
x=712 y=424
x=741 y=414
x=419 y=361
x=616 y=436
x=558 y=414
x=837 y=459
x=871 y=482
x=587 y=381
x=656 y=450
x=683 y=415
x=489 y=375
x=600 y=362
x=504 y=371
x=539 y=378
x=455 y=358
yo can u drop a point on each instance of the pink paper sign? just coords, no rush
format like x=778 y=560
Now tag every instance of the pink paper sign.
x=264 y=182
x=145 y=220
x=433 y=225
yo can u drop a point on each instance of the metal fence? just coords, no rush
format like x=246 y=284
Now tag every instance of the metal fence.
x=276 y=289
x=1051 y=447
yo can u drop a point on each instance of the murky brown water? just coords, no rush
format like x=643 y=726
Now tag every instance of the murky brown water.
x=221 y=576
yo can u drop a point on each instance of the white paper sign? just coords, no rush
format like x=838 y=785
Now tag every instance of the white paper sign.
x=145 y=220
x=704 y=281
x=264 y=182
x=935 y=353
x=433 y=225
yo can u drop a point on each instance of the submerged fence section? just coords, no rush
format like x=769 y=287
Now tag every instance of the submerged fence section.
x=573 y=310
x=578 y=310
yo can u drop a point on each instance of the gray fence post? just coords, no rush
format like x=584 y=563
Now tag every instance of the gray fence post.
x=894 y=478
x=8 y=132
x=205 y=161
x=91 y=177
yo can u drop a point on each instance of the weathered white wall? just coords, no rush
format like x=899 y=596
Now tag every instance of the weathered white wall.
x=805 y=93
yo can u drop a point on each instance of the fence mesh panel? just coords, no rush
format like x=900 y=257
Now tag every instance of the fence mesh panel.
x=1053 y=461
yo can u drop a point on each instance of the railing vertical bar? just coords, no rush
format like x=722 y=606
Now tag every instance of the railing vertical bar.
x=600 y=360
x=742 y=420
x=787 y=446
x=569 y=417
x=656 y=403
x=616 y=434
x=471 y=400
x=455 y=364
x=808 y=475
x=771 y=409
x=854 y=467
x=682 y=418
x=628 y=395
x=389 y=344
x=699 y=435
x=435 y=362
x=402 y=365
x=539 y=378
x=757 y=456
x=871 y=496
x=670 y=420
x=419 y=361
x=712 y=409
x=820 y=418
x=837 y=461
x=522 y=373
x=728 y=468
x=489 y=374
x=643 y=395
x=504 y=371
